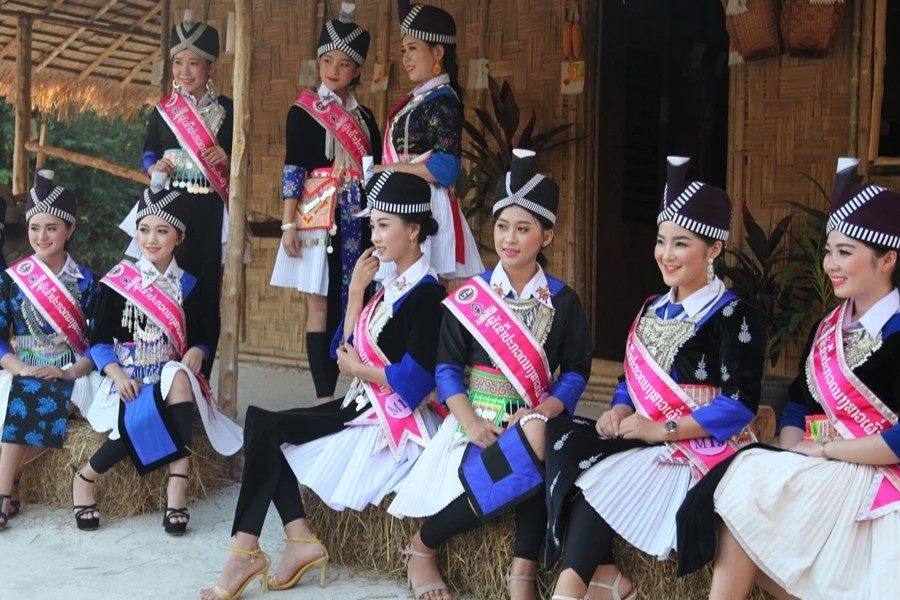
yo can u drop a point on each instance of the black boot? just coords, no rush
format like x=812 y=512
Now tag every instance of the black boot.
x=324 y=369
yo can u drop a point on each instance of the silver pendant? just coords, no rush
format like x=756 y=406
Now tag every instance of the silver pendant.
x=329 y=250
x=333 y=230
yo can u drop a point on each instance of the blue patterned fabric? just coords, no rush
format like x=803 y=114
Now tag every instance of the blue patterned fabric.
x=412 y=382
x=351 y=237
x=292 y=180
x=37 y=412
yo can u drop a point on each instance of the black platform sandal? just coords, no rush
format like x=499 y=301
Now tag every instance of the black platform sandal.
x=84 y=523
x=174 y=527
x=4 y=518
x=15 y=506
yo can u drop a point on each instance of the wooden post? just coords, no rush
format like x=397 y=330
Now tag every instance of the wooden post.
x=40 y=160
x=384 y=55
x=232 y=297
x=164 y=41
x=23 y=107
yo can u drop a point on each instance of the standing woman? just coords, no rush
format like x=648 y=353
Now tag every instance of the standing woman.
x=823 y=520
x=45 y=300
x=151 y=336
x=538 y=326
x=328 y=133
x=423 y=135
x=350 y=452
x=693 y=364
x=189 y=139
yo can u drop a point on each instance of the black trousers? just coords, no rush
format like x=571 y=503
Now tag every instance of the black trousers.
x=589 y=540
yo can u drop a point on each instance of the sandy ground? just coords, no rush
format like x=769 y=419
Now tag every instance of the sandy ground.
x=45 y=557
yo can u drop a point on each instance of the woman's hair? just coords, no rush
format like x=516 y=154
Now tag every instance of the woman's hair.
x=427 y=225
x=451 y=67
x=543 y=223
x=881 y=251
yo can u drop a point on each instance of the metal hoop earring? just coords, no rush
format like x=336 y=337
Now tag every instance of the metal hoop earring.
x=710 y=271
x=175 y=85
x=209 y=87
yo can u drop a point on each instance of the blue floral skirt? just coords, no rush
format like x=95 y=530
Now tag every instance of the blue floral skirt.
x=37 y=412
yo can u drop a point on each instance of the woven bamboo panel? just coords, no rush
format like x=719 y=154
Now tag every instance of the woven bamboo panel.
x=522 y=43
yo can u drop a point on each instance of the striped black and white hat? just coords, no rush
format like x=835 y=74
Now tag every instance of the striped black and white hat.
x=532 y=191
x=698 y=207
x=345 y=35
x=199 y=38
x=428 y=23
x=46 y=197
x=397 y=193
x=869 y=213
x=168 y=205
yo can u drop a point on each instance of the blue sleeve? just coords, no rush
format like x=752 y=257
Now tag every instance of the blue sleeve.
x=892 y=439
x=204 y=349
x=794 y=415
x=410 y=380
x=336 y=340
x=149 y=158
x=568 y=388
x=444 y=168
x=723 y=417
x=5 y=348
x=449 y=380
x=622 y=397
x=102 y=355
x=292 y=181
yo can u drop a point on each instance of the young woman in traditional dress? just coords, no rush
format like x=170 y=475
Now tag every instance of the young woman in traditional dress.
x=693 y=364
x=350 y=452
x=538 y=326
x=423 y=135
x=328 y=133
x=45 y=302
x=822 y=520
x=189 y=139
x=151 y=336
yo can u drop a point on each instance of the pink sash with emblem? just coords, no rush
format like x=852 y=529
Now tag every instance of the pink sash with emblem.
x=852 y=409
x=659 y=398
x=339 y=122
x=507 y=341
x=52 y=300
x=125 y=279
x=194 y=137
x=399 y=424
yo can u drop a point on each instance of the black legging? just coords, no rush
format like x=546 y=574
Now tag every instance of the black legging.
x=181 y=416
x=589 y=541
x=458 y=517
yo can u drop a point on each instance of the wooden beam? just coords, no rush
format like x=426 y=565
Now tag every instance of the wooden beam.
x=23 y=107
x=138 y=67
x=89 y=161
x=117 y=44
x=12 y=44
x=164 y=41
x=146 y=37
x=73 y=36
x=232 y=288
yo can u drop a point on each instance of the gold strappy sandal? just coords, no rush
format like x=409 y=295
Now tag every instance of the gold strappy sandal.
x=264 y=571
x=321 y=562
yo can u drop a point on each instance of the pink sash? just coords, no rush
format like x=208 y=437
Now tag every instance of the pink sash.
x=657 y=397
x=507 y=341
x=398 y=423
x=167 y=314
x=52 y=300
x=852 y=409
x=194 y=137
x=339 y=122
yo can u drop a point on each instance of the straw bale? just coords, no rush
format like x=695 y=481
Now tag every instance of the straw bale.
x=121 y=492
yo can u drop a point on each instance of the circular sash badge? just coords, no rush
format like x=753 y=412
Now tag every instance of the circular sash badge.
x=707 y=446
x=396 y=408
x=116 y=271
x=466 y=294
x=25 y=268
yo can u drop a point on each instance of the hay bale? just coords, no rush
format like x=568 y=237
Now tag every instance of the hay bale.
x=475 y=563
x=121 y=492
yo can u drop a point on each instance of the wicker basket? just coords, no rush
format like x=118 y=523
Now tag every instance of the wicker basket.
x=808 y=26
x=753 y=27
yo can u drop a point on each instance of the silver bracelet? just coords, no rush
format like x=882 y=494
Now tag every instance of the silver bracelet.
x=288 y=226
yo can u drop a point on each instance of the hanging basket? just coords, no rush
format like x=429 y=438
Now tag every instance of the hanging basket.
x=753 y=28
x=808 y=27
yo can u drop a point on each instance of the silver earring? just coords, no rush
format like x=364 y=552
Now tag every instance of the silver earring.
x=209 y=87
x=175 y=85
x=710 y=271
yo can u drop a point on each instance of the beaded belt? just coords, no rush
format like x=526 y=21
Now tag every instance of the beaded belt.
x=492 y=396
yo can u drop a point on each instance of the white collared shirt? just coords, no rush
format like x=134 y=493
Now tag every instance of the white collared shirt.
x=432 y=83
x=537 y=287
x=397 y=284
x=696 y=303
x=69 y=268
x=150 y=274
x=877 y=316
x=326 y=94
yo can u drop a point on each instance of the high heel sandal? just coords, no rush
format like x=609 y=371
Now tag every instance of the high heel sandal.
x=4 y=517
x=224 y=594
x=84 y=523
x=614 y=588
x=174 y=527
x=434 y=586
x=321 y=562
x=15 y=506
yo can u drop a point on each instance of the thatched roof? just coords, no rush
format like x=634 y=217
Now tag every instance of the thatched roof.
x=97 y=54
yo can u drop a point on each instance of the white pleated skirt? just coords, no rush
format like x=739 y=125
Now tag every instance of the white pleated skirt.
x=344 y=470
x=433 y=482
x=796 y=518
x=101 y=416
x=440 y=249
x=308 y=273
x=639 y=496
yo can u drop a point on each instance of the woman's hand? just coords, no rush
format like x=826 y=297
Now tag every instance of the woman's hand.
x=639 y=427
x=810 y=449
x=215 y=155
x=43 y=372
x=481 y=432
x=609 y=422
x=165 y=165
x=128 y=388
x=193 y=360
x=364 y=272
x=348 y=360
x=290 y=241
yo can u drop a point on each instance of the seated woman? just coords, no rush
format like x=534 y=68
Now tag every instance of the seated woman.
x=349 y=452
x=822 y=520
x=536 y=326
x=693 y=364
x=150 y=339
x=47 y=373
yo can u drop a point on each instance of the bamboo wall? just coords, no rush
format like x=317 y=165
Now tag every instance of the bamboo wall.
x=521 y=41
